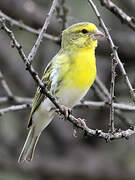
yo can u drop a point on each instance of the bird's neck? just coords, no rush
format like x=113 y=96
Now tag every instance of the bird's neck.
x=73 y=47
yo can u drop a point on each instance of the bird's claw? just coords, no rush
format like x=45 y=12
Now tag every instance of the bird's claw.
x=67 y=111
x=74 y=131
x=82 y=122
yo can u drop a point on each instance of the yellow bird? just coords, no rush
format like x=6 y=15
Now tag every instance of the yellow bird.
x=68 y=76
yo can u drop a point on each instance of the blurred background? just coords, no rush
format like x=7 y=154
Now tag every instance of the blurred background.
x=59 y=155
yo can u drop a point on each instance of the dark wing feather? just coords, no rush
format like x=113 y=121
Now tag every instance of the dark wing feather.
x=39 y=97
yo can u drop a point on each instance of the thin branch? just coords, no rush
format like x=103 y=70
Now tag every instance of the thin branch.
x=16 y=99
x=99 y=93
x=40 y=36
x=103 y=89
x=77 y=122
x=5 y=86
x=104 y=95
x=21 y=25
x=127 y=121
x=22 y=100
x=62 y=12
x=21 y=53
x=114 y=49
x=102 y=105
x=130 y=21
x=99 y=133
x=13 y=108
x=4 y=100
x=89 y=104
x=111 y=123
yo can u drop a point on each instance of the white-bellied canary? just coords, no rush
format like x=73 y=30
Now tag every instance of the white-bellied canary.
x=68 y=77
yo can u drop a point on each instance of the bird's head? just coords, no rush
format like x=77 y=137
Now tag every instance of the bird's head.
x=81 y=35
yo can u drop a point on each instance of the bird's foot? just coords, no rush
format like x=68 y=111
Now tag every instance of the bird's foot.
x=82 y=122
x=67 y=111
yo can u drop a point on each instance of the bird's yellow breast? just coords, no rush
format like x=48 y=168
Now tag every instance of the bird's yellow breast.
x=83 y=69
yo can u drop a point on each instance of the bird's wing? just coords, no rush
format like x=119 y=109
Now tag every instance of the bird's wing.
x=52 y=78
x=39 y=97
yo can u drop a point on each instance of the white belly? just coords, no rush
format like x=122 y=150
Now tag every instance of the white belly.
x=71 y=97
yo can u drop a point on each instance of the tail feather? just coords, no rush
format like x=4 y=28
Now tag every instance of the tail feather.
x=29 y=146
x=40 y=121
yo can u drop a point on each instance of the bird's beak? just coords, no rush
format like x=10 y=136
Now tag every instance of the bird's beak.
x=98 y=35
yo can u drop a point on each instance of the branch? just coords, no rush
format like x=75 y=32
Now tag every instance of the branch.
x=21 y=25
x=114 y=49
x=40 y=36
x=104 y=95
x=5 y=86
x=16 y=99
x=130 y=21
x=88 y=104
x=102 y=89
x=115 y=54
x=103 y=104
x=13 y=108
x=25 y=103
x=111 y=123
x=62 y=12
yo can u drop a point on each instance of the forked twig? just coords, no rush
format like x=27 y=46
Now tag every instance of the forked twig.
x=114 y=49
x=21 y=25
x=130 y=21
x=41 y=34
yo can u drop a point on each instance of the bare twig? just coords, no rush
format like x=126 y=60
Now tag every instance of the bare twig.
x=4 y=100
x=114 y=49
x=5 y=86
x=130 y=21
x=40 y=36
x=127 y=121
x=13 y=108
x=21 y=25
x=21 y=53
x=102 y=105
x=99 y=93
x=103 y=89
x=16 y=99
x=111 y=123
x=88 y=104
x=104 y=95
x=62 y=12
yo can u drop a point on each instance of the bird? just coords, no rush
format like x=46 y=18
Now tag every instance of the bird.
x=68 y=77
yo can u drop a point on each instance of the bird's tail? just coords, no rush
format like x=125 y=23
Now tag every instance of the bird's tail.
x=29 y=146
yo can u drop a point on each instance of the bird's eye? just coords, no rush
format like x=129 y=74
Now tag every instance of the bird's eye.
x=84 y=31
